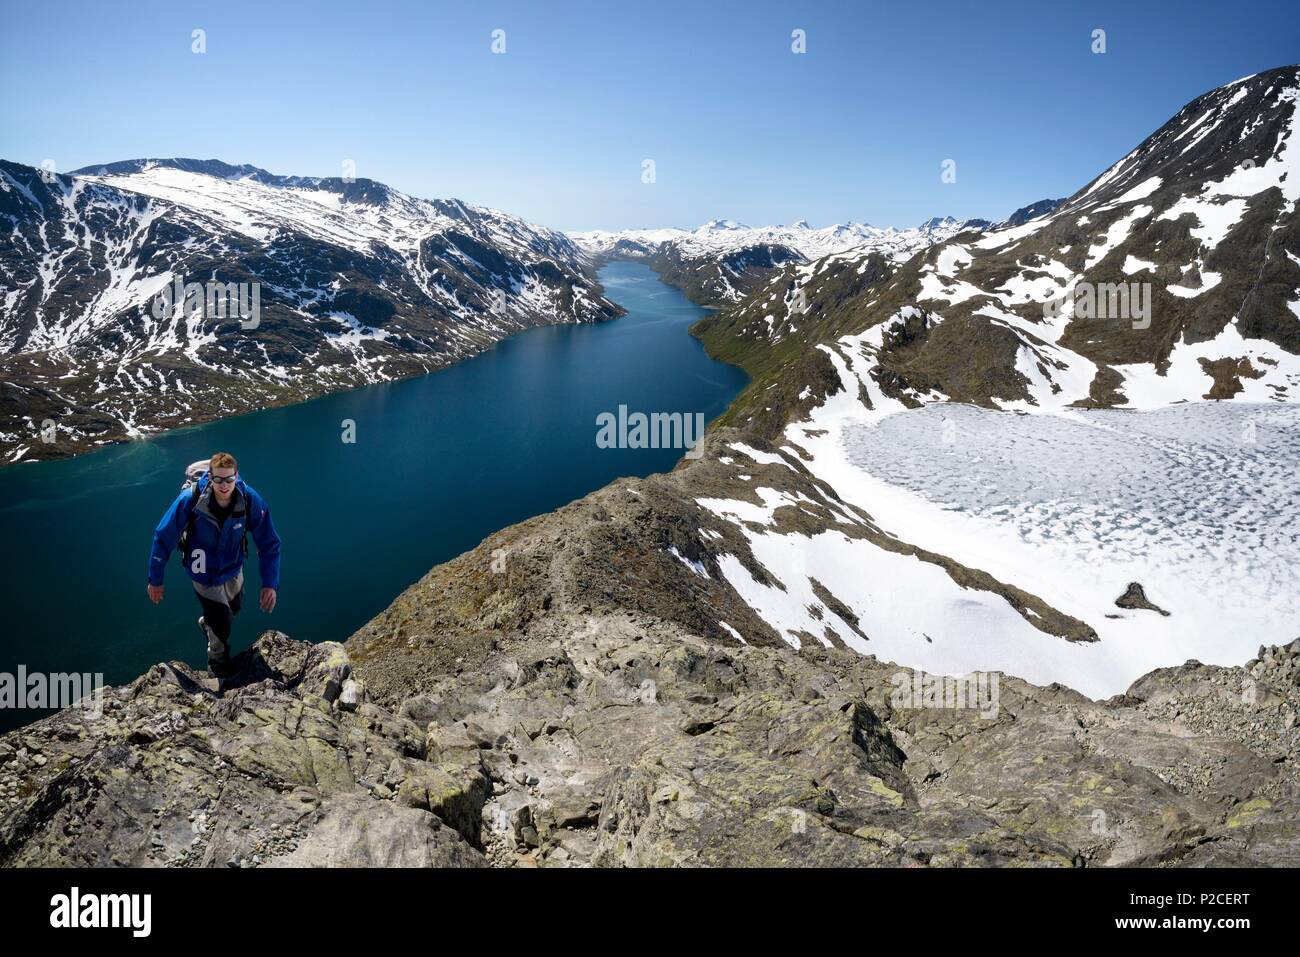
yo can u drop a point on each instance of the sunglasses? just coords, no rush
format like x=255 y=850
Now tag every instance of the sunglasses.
x=224 y=479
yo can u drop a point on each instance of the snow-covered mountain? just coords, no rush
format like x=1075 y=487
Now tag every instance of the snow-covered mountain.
x=357 y=283
x=722 y=261
x=1174 y=275
x=627 y=243
x=1087 y=455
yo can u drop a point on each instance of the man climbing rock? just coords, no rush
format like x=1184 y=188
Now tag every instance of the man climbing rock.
x=210 y=521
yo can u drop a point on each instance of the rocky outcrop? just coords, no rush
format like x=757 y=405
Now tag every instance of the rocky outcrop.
x=1135 y=597
x=621 y=740
x=1025 y=213
x=274 y=769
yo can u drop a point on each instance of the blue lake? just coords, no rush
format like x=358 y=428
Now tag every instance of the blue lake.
x=439 y=463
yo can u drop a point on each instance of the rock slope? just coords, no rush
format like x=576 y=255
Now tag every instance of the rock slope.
x=622 y=740
x=587 y=689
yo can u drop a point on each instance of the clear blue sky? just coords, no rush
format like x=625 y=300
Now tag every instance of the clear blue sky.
x=556 y=129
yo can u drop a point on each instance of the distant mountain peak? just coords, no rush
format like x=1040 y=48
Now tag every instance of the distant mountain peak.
x=722 y=261
x=937 y=221
x=1025 y=213
x=726 y=224
x=209 y=167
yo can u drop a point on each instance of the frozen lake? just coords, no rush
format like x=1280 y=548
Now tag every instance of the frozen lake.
x=1198 y=502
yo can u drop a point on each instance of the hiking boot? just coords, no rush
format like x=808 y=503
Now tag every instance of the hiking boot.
x=221 y=667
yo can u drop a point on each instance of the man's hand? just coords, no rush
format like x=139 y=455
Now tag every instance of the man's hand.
x=155 y=593
x=268 y=599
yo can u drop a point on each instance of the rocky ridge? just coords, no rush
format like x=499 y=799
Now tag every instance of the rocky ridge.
x=584 y=689
x=617 y=741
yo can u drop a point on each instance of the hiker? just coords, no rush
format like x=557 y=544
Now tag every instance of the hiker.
x=210 y=521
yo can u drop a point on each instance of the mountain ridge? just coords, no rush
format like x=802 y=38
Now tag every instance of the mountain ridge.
x=991 y=296
x=358 y=283
x=533 y=715
x=723 y=261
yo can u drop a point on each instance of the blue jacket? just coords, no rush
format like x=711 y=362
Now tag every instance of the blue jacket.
x=222 y=547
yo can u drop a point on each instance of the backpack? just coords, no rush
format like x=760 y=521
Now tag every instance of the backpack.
x=194 y=472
